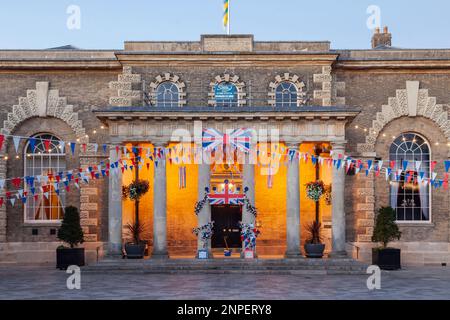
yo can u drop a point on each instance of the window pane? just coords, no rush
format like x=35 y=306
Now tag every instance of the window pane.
x=286 y=95
x=167 y=95
x=226 y=94
x=47 y=157
x=409 y=194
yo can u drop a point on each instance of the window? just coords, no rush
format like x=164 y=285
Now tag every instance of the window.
x=286 y=95
x=226 y=95
x=409 y=196
x=167 y=95
x=47 y=157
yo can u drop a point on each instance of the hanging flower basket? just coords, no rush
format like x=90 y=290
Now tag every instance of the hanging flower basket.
x=135 y=190
x=315 y=190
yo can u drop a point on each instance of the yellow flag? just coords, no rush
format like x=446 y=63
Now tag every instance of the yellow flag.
x=226 y=14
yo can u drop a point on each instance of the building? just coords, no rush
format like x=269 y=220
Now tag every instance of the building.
x=384 y=103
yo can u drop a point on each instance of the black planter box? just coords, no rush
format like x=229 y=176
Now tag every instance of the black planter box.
x=135 y=251
x=386 y=259
x=314 y=251
x=67 y=257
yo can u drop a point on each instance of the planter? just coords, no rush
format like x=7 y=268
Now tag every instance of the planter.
x=386 y=259
x=135 y=251
x=314 y=250
x=68 y=257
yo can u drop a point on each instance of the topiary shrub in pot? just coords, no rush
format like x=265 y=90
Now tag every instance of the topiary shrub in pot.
x=314 y=247
x=71 y=233
x=385 y=231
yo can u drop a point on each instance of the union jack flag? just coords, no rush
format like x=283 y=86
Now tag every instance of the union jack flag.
x=239 y=139
x=211 y=139
x=226 y=197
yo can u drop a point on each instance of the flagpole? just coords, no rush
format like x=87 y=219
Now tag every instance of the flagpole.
x=229 y=16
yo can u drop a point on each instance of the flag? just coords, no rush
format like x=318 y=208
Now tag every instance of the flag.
x=182 y=177
x=226 y=15
x=226 y=197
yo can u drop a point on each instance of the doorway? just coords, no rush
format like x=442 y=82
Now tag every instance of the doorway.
x=227 y=232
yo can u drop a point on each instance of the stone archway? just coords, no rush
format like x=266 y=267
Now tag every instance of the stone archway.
x=170 y=78
x=409 y=102
x=39 y=102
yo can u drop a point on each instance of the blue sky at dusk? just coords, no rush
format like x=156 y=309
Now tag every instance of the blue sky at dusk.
x=105 y=24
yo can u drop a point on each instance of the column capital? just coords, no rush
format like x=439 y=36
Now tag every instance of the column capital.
x=160 y=143
x=338 y=144
x=292 y=144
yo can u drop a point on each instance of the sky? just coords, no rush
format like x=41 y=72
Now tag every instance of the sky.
x=106 y=24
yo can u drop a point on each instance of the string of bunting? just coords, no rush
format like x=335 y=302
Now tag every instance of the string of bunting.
x=248 y=205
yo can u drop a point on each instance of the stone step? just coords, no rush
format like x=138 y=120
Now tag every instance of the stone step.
x=282 y=266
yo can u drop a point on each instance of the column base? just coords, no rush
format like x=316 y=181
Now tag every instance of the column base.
x=210 y=255
x=293 y=255
x=255 y=255
x=114 y=251
x=338 y=255
x=160 y=255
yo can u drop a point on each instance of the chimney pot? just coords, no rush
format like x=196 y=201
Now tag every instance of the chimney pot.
x=381 y=39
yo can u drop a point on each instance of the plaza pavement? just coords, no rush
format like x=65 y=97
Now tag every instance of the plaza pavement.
x=45 y=282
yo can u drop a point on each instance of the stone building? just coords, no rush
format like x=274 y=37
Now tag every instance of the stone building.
x=384 y=103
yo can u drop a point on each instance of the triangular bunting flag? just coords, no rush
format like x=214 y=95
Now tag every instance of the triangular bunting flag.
x=16 y=141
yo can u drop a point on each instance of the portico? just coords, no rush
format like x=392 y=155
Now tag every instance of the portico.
x=291 y=127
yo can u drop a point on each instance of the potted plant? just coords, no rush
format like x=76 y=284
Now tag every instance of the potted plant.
x=134 y=191
x=135 y=249
x=314 y=247
x=71 y=233
x=385 y=231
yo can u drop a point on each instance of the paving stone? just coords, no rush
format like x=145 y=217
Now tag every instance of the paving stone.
x=48 y=283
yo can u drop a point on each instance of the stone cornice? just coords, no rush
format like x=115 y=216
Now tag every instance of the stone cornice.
x=59 y=64
x=387 y=64
x=247 y=113
x=54 y=59
x=230 y=58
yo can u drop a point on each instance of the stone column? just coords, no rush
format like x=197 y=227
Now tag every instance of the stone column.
x=293 y=206
x=159 y=206
x=337 y=203
x=115 y=207
x=248 y=181
x=204 y=216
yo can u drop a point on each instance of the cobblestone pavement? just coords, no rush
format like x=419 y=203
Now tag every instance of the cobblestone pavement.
x=48 y=283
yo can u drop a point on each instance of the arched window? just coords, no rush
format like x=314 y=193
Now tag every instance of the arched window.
x=47 y=157
x=226 y=94
x=167 y=94
x=286 y=94
x=410 y=196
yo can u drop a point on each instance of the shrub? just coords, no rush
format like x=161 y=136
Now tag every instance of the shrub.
x=70 y=231
x=386 y=230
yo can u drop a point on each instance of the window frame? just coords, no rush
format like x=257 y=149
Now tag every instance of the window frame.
x=227 y=103
x=292 y=102
x=430 y=189
x=170 y=104
x=26 y=187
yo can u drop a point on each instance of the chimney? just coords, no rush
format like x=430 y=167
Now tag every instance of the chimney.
x=381 y=39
